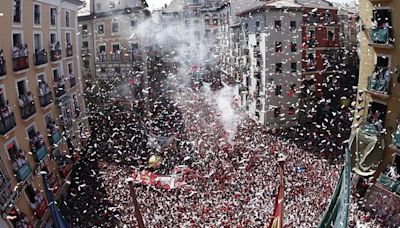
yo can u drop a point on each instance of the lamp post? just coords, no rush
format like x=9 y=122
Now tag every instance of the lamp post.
x=138 y=215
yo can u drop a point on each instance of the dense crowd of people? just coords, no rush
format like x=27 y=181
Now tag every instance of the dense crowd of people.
x=230 y=184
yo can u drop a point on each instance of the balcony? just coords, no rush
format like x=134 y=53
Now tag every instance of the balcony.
x=378 y=86
x=46 y=99
x=69 y=51
x=40 y=207
x=389 y=184
x=55 y=136
x=381 y=38
x=7 y=123
x=23 y=172
x=39 y=152
x=311 y=42
x=40 y=58
x=20 y=63
x=27 y=110
x=3 y=69
x=59 y=89
x=72 y=82
x=55 y=55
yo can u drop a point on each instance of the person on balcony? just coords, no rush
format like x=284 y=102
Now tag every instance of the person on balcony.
x=374 y=24
x=15 y=51
x=58 y=46
x=23 y=221
x=30 y=102
x=21 y=103
x=39 y=138
x=52 y=47
x=118 y=55
x=51 y=126
x=38 y=200
x=386 y=77
x=1 y=58
x=42 y=89
x=25 y=50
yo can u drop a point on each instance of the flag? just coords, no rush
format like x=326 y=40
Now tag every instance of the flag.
x=277 y=216
x=58 y=219
x=336 y=214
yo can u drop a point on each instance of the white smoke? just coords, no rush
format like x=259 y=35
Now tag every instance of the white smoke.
x=223 y=101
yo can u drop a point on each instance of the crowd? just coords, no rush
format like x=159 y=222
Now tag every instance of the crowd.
x=20 y=51
x=230 y=184
x=26 y=104
x=19 y=160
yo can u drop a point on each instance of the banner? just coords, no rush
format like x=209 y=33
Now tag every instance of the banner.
x=175 y=180
x=336 y=214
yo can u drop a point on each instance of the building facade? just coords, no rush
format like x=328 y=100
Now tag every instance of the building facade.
x=108 y=40
x=320 y=47
x=377 y=102
x=272 y=72
x=43 y=124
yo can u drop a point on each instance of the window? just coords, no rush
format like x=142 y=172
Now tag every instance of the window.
x=37 y=42
x=17 y=40
x=2 y=98
x=68 y=38
x=207 y=21
x=293 y=67
x=84 y=30
x=98 y=6
x=53 y=38
x=17 y=14
x=22 y=87
x=100 y=29
x=112 y=5
x=293 y=47
x=278 y=46
x=331 y=35
x=30 y=193
x=85 y=44
x=40 y=79
x=102 y=49
x=115 y=27
x=53 y=16
x=292 y=90
x=278 y=25
x=278 y=67
x=257 y=24
x=36 y=14
x=134 y=46
x=56 y=75
x=278 y=90
x=277 y=112
x=70 y=69
x=133 y=23
x=293 y=25
x=67 y=18
x=215 y=21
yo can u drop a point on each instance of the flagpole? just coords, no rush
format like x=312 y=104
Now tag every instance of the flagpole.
x=281 y=175
x=138 y=215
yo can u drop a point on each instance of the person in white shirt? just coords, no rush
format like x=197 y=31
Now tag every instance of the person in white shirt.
x=26 y=50
x=374 y=23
